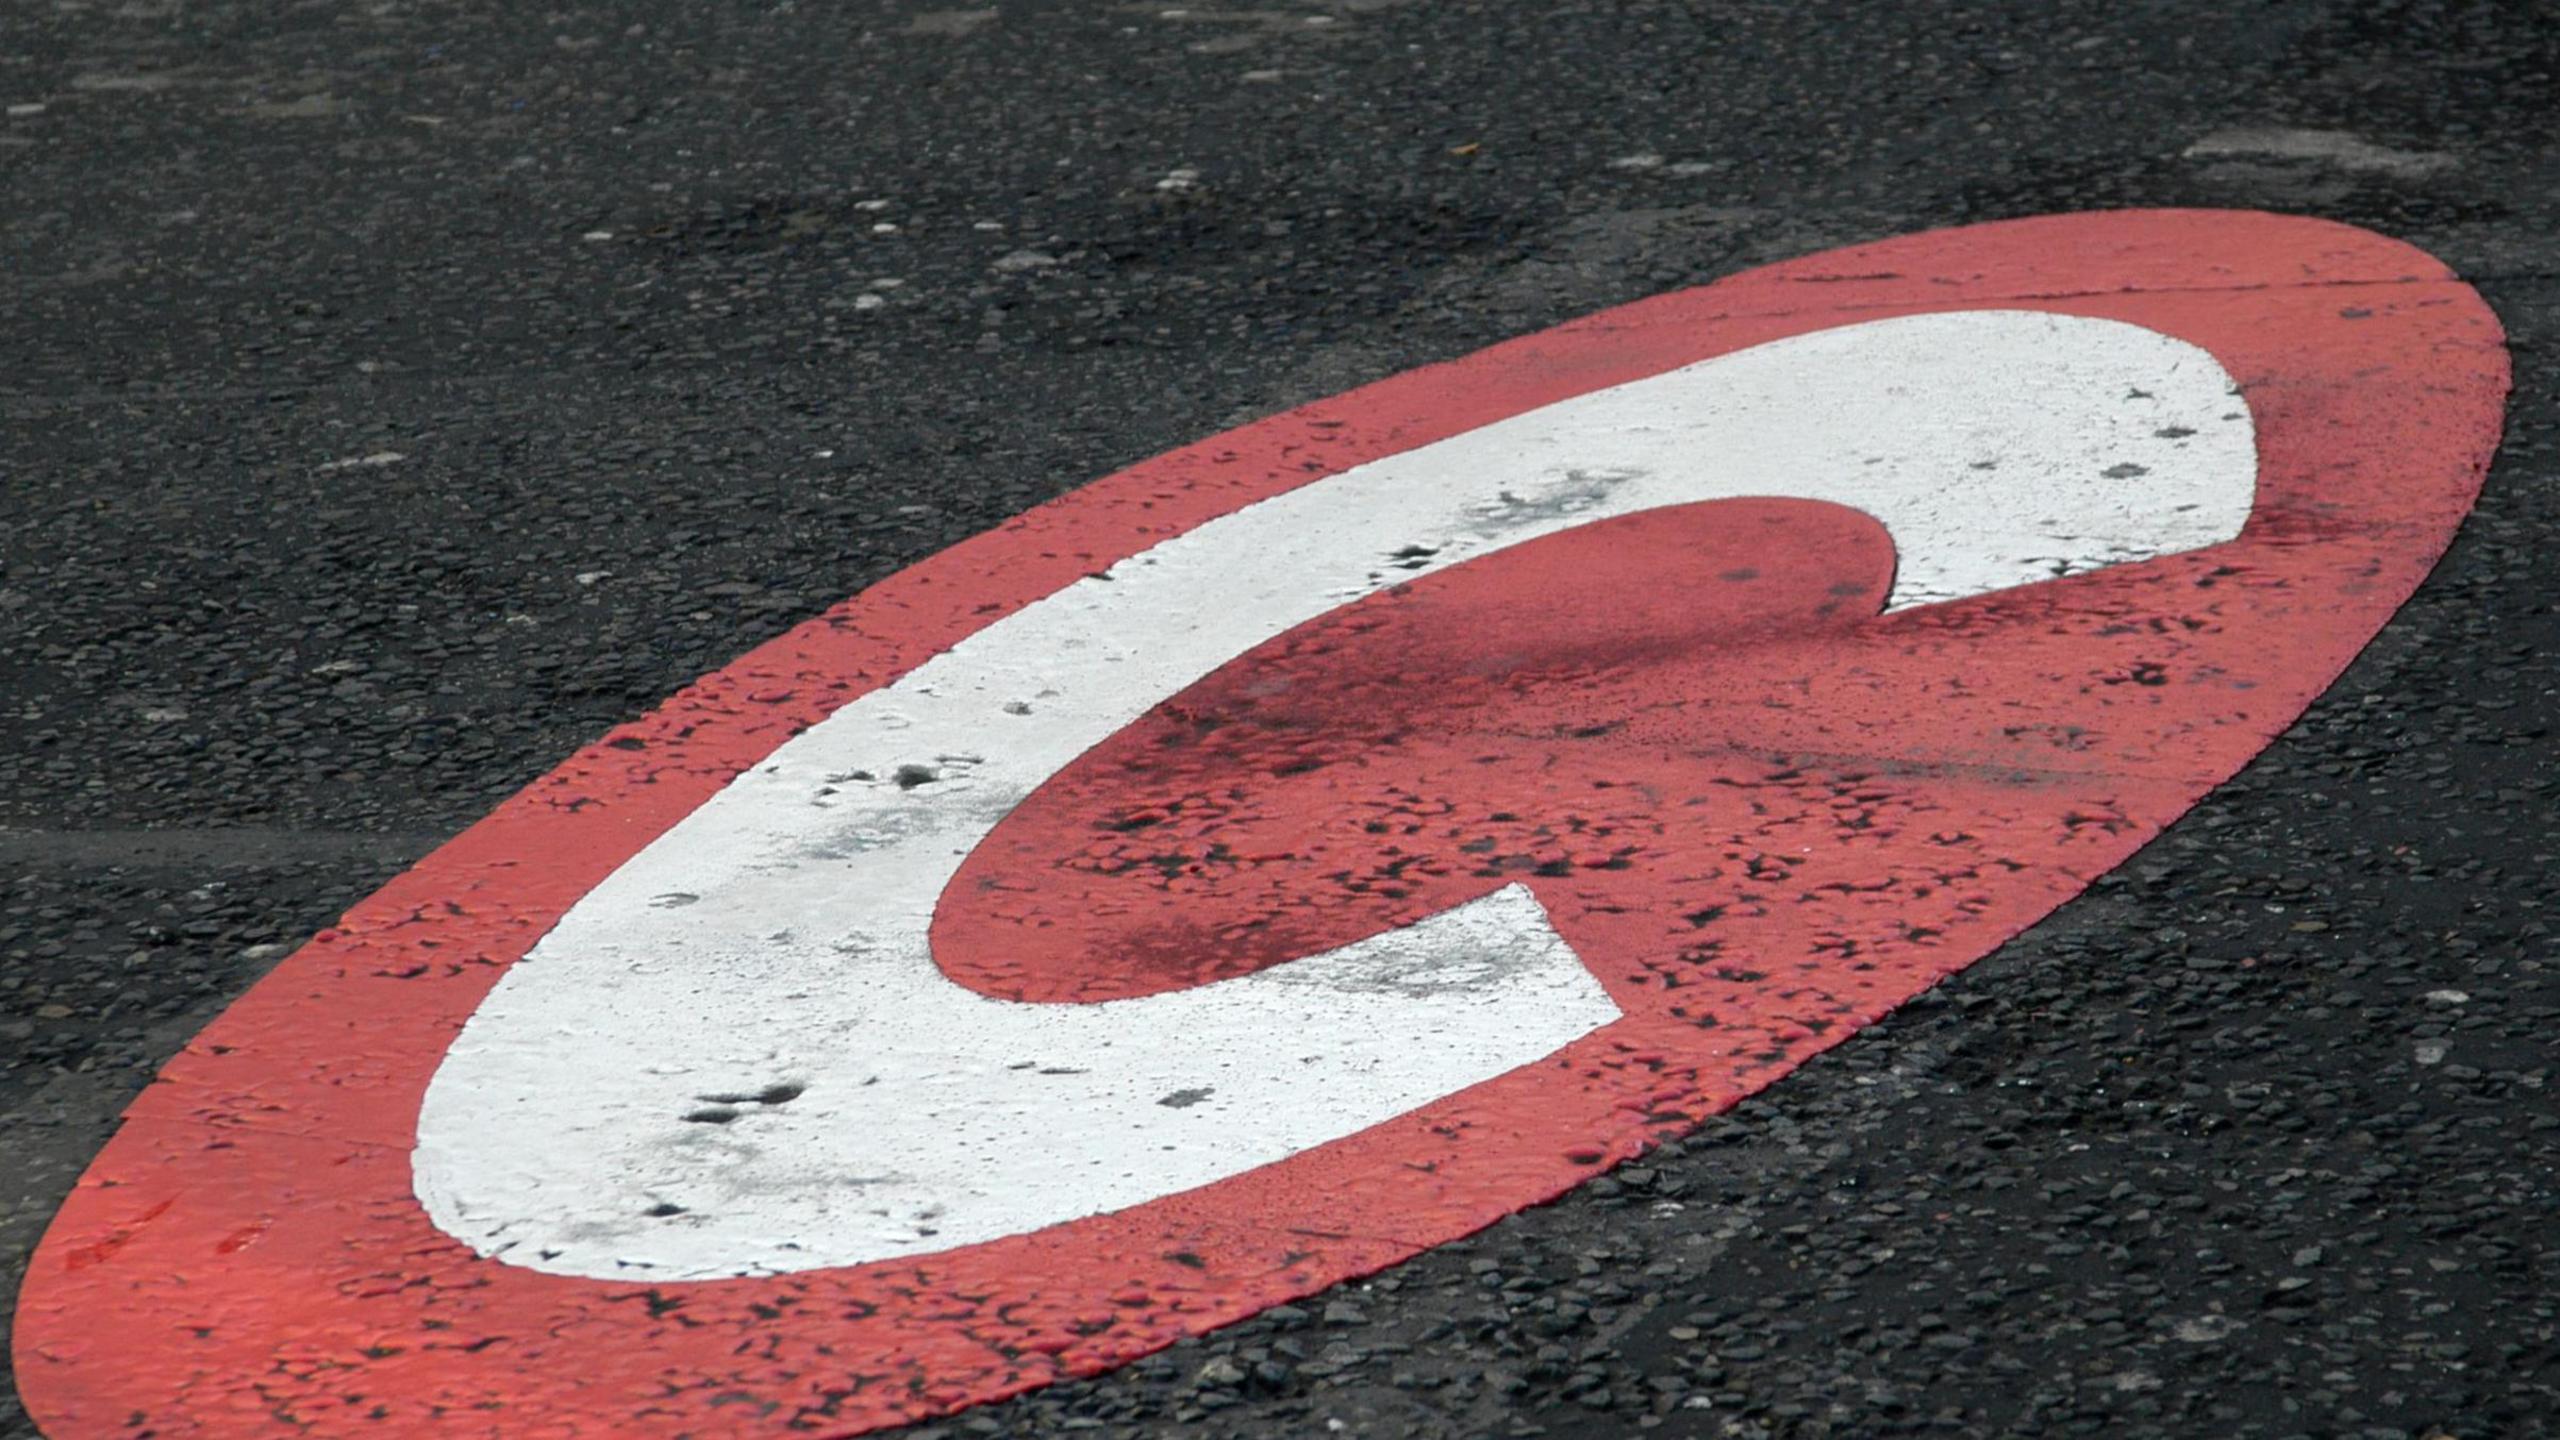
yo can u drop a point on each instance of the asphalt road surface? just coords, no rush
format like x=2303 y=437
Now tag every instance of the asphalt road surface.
x=398 y=395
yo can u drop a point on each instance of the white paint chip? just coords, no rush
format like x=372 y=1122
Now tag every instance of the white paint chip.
x=950 y=22
x=2328 y=147
x=375 y=460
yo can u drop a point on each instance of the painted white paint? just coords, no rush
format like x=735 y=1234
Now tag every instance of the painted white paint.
x=777 y=937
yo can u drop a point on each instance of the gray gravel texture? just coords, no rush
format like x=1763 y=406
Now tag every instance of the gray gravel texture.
x=396 y=395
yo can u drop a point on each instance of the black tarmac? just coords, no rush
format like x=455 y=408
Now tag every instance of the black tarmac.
x=394 y=395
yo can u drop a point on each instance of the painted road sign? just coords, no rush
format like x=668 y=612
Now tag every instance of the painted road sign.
x=1288 y=854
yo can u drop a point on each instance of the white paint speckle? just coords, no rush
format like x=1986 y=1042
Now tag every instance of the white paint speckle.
x=374 y=461
x=2327 y=147
x=2135 y=1381
x=951 y=22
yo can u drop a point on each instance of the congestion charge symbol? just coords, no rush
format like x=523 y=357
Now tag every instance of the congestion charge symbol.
x=1289 y=854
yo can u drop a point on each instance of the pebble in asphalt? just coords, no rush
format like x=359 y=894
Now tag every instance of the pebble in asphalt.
x=398 y=397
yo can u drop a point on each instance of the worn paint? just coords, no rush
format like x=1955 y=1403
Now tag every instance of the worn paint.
x=567 y=1128
x=1760 y=806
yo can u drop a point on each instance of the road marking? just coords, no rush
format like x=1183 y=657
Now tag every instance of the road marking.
x=784 y=924
x=1720 y=774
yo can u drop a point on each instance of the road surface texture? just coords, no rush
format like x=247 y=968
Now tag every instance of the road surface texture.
x=398 y=395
